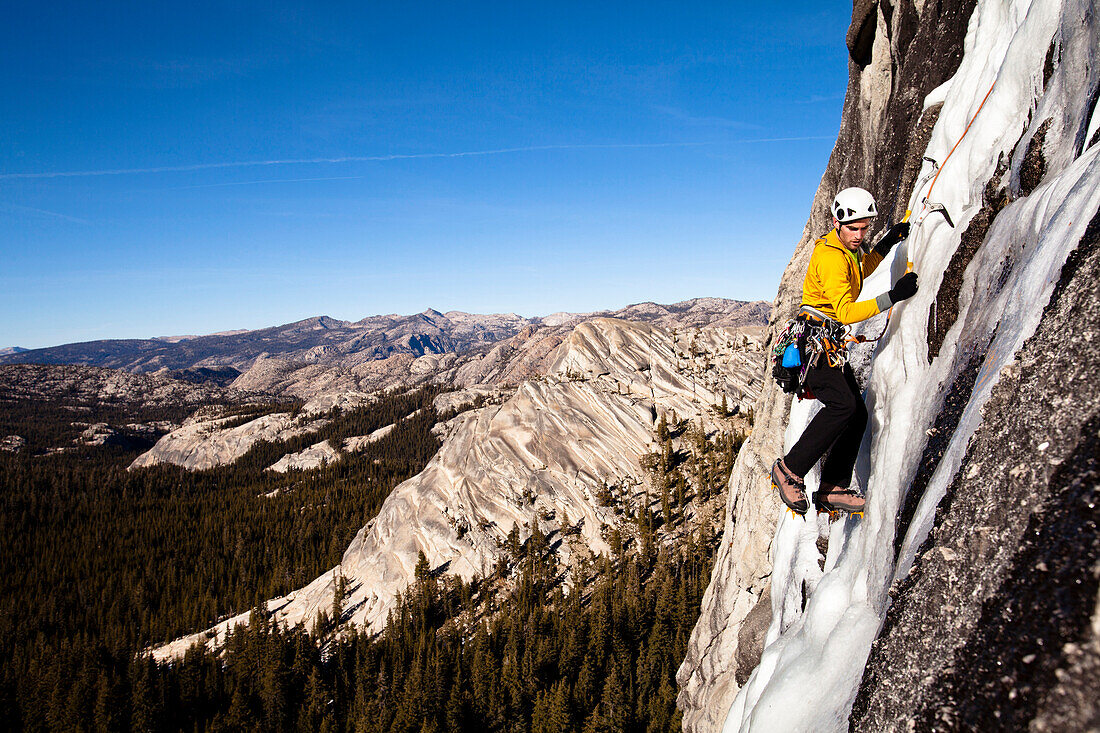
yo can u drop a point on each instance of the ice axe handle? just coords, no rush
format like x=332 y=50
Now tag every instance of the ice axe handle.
x=908 y=263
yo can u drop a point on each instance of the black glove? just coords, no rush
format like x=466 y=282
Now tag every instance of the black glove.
x=904 y=288
x=892 y=236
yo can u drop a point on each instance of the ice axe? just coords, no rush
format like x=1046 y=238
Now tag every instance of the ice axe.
x=928 y=206
x=931 y=208
x=930 y=175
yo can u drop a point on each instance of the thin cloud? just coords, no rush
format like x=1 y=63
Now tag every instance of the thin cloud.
x=383 y=158
x=704 y=120
x=787 y=139
x=265 y=180
x=818 y=99
x=16 y=208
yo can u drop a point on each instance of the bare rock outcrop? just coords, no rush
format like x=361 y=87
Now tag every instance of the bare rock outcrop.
x=12 y=443
x=538 y=459
x=101 y=434
x=312 y=457
x=204 y=443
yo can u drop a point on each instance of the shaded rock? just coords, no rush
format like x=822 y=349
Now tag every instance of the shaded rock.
x=101 y=434
x=750 y=639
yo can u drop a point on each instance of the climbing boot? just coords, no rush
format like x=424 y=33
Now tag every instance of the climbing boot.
x=837 y=499
x=791 y=488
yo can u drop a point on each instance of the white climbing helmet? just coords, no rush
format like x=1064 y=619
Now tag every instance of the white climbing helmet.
x=854 y=203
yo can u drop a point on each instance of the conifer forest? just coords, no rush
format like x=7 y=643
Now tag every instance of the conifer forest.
x=100 y=563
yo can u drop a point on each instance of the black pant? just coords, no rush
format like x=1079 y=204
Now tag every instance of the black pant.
x=839 y=424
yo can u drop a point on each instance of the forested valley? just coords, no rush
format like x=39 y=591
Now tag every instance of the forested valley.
x=100 y=563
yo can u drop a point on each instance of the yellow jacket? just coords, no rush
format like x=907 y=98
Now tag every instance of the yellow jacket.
x=835 y=278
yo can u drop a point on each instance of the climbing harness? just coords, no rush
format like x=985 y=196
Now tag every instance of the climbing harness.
x=825 y=336
x=804 y=340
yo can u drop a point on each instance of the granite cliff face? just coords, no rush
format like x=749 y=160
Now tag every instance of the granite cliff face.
x=897 y=56
x=1022 y=191
x=539 y=459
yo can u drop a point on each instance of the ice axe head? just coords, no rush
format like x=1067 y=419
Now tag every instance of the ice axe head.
x=939 y=208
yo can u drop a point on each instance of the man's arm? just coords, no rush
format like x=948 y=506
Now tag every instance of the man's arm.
x=870 y=262
x=835 y=286
x=892 y=236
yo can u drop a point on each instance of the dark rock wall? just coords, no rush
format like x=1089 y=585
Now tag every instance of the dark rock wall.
x=996 y=627
x=898 y=53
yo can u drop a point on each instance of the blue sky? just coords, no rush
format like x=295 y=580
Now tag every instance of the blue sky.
x=191 y=168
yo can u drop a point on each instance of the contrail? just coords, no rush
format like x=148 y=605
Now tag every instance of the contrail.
x=378 y=158
x=43 y=212
x=263 y=180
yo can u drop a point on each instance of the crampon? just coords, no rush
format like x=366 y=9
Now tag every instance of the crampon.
x=836 y=501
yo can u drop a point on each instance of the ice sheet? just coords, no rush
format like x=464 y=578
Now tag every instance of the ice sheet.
x=813 y=659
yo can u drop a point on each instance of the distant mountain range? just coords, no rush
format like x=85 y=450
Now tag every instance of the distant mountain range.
x=322 y=340
x=12 y=350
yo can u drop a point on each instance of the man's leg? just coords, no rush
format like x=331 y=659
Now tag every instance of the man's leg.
x=831 y=387
x=837 y=469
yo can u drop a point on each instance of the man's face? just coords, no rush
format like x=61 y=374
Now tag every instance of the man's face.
x=851 y=234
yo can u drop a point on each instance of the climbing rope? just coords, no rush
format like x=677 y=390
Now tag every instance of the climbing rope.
x=956 y=145
x=925 y=204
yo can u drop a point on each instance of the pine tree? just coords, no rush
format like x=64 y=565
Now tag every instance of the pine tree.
x=560 y=716
x=456 y=714
x=666 y=504
x=315 y=714
x=339 y=594
x=273 y=685
x=145 y=708
x=107 y=715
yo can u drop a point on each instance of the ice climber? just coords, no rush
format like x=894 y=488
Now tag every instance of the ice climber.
x=835 y=276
